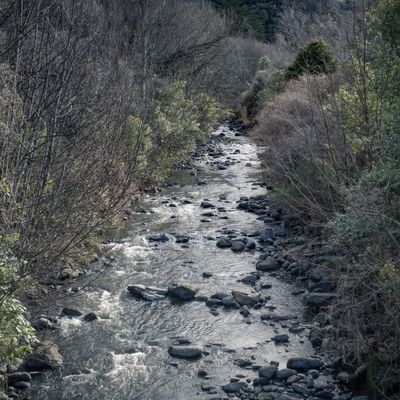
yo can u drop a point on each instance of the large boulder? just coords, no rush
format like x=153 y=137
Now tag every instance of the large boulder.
x=182 y=292
x=244 y=299
x=18 y=377
x=268 y=265
x=147 y=292
x=45 y=356
x=187 y=352
x=303 y=364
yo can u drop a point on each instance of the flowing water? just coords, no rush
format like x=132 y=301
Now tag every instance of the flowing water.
x=124 y=354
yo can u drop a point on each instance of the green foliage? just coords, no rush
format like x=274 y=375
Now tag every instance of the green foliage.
x=315 y=58
x=386 y=19
x=275 y=84
x=16 y=333
x=178 y=122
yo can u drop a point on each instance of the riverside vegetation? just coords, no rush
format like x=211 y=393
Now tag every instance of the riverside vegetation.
x=101 y=100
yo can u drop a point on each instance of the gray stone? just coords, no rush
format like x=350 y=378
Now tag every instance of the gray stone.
x=244 y=299
x=70 y=312
x=234 y=387
x=268 y=265
x=149 y=293
x=18 y=377
x=283 y=338
x=268 y=372
x=187 y=352
x=237 y=246
x=285 y=373
x=224 y=243
x=45 y=356
x=182 y=292
x=303 y=364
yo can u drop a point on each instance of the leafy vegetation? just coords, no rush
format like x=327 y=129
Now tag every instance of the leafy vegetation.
x=334 y=156
x=315 y=58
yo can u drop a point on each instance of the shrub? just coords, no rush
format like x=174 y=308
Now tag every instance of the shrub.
x=315 y=58
x=16 y=333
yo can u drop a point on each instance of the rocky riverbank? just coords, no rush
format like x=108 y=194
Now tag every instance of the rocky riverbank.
x=230 y=266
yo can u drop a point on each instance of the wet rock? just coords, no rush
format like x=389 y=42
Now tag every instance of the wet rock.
x=250 y=279
x=90 y=317
x=219 y=295
x=285 y=373
x=300 y=389
x=260 y=381
x=22 y=385
x=224 y=243
x=186 y=352
x=44 y=323
x=70 y=312
x=250 y=244
x=303 y=364
x=149 y=293
x=244 y=299
x=278 y=317
x=268 y=265
x=212 y=302
x=45 y=356
x=283 y=338
x=18 y=377
x=207 y=274
x=318 y=299
x=206 y=204
x=242 y=363
x=182 y=239
x=159 y=238
x=182 y=292
x=238 y=246
x=268 y=372
x=234 y=387
x=229 y=302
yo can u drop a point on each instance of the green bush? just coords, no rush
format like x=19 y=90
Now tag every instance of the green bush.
x=315 y=58
x=16 y=333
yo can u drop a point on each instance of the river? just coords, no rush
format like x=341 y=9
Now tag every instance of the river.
x=124 y=354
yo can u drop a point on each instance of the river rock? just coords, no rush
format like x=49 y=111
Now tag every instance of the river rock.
x=44 y=323
x=234 y=387
x=244 y=299
x=45 y=356
x=159 y=238
x=18 y=377
x=182 y=292
x=90 y=317
x=268 y=372
x=283 y=338
x=229 y=302
x=206 y=204
x=268 y=265
x=187 y=352
x=149 y=293
x=285 y=373
x=318 y=299
x=238 y=246
x=70 y=312
x=224 y=243
x=303 y=364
